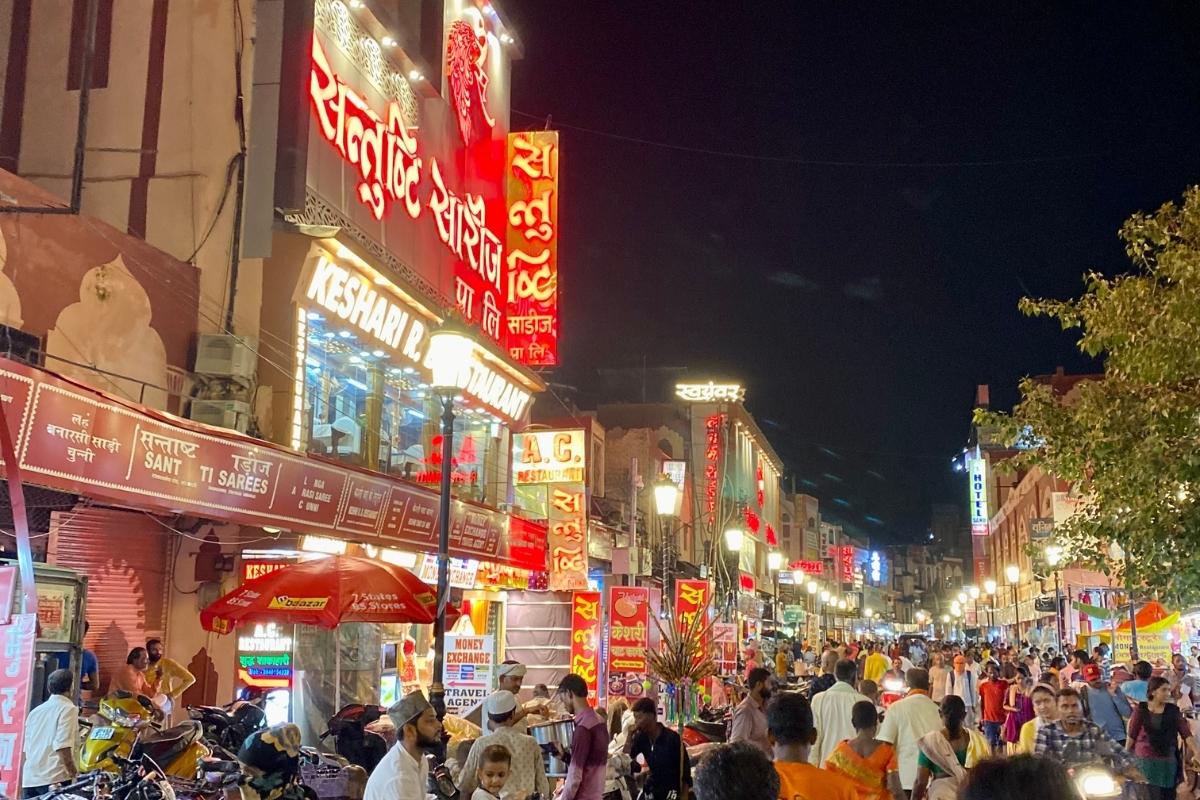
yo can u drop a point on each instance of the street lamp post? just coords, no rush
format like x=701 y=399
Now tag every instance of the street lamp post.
x=666 y=494
x=774 y=564
x=973 y=593
x=450 y=353
x=812 y=601
x=734 y=538
x=1013 y=573
x=989 y=588
x=1053 y=558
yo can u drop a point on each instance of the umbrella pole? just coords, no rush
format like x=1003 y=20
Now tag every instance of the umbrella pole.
x=337 y=669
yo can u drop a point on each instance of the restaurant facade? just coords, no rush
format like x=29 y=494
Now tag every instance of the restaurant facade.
x=400 y=199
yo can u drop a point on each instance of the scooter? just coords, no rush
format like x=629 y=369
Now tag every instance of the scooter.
x=354 y=740
x=133 y=731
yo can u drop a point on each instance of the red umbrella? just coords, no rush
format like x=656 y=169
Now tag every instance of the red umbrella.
x=325 y=592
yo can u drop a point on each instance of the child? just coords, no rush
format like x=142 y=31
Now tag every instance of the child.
x=494 y=766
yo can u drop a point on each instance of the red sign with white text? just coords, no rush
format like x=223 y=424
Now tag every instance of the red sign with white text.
x=76 y=439
x=809 y=567
x=691 y=598
x=628 y=628
x=532 y=240
x=846 y=563
x=713 y=427
x=15 y=678
x=585 y=638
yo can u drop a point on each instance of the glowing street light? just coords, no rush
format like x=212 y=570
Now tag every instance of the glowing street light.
x=733 y=539
x=666 y=494
x=973 y=591
x=989 y=586
x=774 y=560
x=812 y=587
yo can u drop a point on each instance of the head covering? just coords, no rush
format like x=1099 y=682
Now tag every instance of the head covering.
x=272 y=758
x=499 y=703
x=514 y=669
x=405 y=711
x=1091 y=672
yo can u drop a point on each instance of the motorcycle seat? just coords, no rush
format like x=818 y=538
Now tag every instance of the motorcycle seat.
x=163 y=746
x=710 y=728
x=210 y=711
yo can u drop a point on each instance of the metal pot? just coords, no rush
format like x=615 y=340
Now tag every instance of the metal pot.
x=556 y=732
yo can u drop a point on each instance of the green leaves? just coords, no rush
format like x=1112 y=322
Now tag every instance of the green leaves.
x=1130 y=442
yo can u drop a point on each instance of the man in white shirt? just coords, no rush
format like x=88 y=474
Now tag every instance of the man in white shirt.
x=907 y=721
x=963 y=681
x=51 y=732
x=403 y=773
x=528 y=768
x=832 y=712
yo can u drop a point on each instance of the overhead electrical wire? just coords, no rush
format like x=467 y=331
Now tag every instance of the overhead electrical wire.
x=816 y=162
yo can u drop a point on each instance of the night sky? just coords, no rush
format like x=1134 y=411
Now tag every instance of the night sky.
x=916 y=168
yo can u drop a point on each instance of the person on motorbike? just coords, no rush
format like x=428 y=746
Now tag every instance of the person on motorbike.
x=1074 y=740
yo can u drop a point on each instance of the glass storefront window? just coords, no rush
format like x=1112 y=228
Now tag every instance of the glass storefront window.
x=365 y=406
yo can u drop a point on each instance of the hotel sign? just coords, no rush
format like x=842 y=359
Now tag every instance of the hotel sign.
x=978 y=497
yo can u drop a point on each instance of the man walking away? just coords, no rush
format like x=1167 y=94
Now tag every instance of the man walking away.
x=831 y=710
x=906 y=721
x=790 y=721
x=588 y=759
x=51 y=733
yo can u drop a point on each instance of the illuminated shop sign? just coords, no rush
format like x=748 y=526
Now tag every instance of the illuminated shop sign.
x=352 y=297
x=264 y=657
x=532 y=240
x=712 y=464
x=710 y=392
x=549 y=457
x=977 y=474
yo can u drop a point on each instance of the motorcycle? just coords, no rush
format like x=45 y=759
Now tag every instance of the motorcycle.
x=354 y=737
x=229 y=725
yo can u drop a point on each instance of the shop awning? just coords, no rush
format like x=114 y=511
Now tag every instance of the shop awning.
x=77 y=439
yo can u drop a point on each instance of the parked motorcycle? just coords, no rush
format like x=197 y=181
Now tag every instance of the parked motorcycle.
x=229 y=725
x=354 y=739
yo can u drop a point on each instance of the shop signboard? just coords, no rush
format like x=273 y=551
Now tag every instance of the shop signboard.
x=725 y=638
x=467 y=671
x=585 y=639
x=16 y=675
x=977 y=476
x=264 y=657
x=532 y=242
x=714 y=426
x=691 y=598
x=1151 y=647
x=793 y=614
x=1041 y=528
x=540 y=457
x=73 y=438
x=463 y=571
x=628 y=629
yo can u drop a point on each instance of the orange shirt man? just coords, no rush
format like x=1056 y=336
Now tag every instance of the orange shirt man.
x=790 y=726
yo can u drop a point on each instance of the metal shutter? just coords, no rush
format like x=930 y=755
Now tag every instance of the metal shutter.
x=124 y=554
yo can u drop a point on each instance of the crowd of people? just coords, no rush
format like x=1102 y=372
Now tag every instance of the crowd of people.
x=975 y=720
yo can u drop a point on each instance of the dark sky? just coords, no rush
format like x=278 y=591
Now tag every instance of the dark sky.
x=859 y=301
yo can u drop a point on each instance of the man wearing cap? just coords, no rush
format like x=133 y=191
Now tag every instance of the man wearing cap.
x=528 y=768
x=509 y=675
x=403 y=773
x=1107 y=707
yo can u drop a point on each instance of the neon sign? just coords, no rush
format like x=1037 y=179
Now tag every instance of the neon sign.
x=385 y=152
x=977 y=472
x=710 y=392
x=549 y=457
x=532 y=238
x=712 y=458
x=466 y=73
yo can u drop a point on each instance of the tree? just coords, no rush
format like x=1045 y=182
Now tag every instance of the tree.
x=1130 y=443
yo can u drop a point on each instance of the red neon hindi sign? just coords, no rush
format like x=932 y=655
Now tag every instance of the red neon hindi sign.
x=585 y=638
x=712 y=464
x=809 y=567
x=532 y=239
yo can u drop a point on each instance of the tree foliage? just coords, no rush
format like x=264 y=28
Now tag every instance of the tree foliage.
x=1130 y=443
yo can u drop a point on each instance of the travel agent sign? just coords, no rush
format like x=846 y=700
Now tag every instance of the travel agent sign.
x=467 y=672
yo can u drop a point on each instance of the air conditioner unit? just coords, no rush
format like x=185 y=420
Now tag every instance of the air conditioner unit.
x=233 y=414
x=220 y=354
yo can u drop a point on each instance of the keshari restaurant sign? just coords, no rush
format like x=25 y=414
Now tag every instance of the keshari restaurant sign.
x=76 y=439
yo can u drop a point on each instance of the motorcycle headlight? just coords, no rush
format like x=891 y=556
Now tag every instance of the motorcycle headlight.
x=1097 y=783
